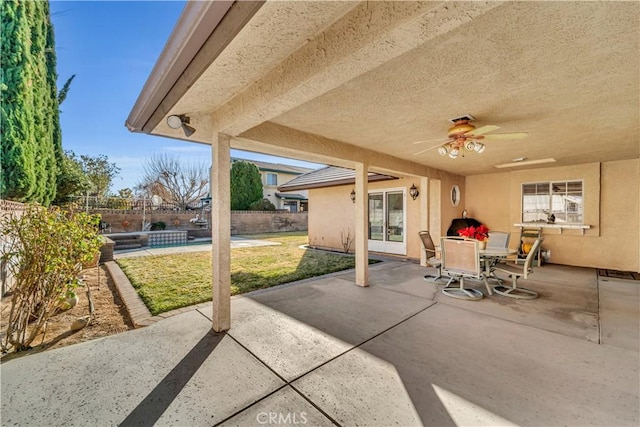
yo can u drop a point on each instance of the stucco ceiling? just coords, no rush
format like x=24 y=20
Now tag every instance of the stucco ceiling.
x=568 y=73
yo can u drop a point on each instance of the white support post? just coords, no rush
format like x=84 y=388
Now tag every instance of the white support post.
x=424 y=214
x=221 y=231
x=362 y=235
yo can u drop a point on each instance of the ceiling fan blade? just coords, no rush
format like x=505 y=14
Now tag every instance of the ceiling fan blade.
x=482 y=130
x=426 y=140
x=503 y=136
x=424 y=151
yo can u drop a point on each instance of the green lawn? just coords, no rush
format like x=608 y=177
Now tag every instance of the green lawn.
x=168 y=282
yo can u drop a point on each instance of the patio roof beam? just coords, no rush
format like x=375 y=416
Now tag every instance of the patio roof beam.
x=275 y=139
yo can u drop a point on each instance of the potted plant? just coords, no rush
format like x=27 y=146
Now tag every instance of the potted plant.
x=480 y=233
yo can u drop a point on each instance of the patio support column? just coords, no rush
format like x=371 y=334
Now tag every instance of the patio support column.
x=435 y=207
x=424 y=213
x=362 y=234
x=221 y=231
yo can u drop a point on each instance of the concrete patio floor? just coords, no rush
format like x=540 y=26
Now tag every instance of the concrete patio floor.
x=326 y=352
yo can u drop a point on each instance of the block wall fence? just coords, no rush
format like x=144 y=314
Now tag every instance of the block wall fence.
x=199 y=223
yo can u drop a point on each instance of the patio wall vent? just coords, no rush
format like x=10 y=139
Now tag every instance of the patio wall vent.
x=467 y=117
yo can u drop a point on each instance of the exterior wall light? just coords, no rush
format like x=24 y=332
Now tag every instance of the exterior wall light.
x=181 y=121
x=353 y=195
x=413 y=191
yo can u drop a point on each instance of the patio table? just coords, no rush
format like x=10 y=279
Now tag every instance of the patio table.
x=488 y=255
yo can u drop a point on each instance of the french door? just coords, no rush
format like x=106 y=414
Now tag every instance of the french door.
x=387 y=219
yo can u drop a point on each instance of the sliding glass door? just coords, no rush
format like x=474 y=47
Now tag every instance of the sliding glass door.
x=387 y=221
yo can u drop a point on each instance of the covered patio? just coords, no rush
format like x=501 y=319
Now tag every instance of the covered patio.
x=325 y=352
x=370 y=86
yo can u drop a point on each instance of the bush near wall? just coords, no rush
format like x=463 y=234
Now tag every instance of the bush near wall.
x=46 y=249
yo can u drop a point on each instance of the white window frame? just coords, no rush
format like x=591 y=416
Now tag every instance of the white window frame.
x=287 y=203
x=266 y=179
x=387 y=246
x=547 y=209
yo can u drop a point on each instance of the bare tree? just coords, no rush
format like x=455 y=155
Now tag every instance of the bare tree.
x=181 y=184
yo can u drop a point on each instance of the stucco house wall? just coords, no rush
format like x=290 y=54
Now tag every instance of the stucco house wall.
x=611 y=208
x=331 y=212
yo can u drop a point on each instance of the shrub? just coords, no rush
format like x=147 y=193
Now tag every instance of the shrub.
x=118 y=203
x=45 y=250
x=160 y=225
x=262 y=205
x=245 y=185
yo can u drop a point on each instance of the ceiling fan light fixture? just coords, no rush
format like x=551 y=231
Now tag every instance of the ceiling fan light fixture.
x=464 y=135
x=470 y=145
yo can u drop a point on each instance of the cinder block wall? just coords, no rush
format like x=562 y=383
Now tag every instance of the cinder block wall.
x=252 y=222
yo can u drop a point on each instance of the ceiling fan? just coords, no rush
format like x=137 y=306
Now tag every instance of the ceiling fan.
x=464 y=136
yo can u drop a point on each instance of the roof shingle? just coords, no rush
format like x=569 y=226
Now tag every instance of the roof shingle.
x=328 y=177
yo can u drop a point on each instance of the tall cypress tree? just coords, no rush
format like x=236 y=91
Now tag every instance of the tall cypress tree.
x=18 y=175
x=246 y=185
x=56 y=157
x=29 y=119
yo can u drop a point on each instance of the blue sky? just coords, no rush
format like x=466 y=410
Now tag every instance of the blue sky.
x=111 y=47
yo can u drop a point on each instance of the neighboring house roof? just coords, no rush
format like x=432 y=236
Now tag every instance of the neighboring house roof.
x=275 y=167
x=328 y=177
x=291 y=196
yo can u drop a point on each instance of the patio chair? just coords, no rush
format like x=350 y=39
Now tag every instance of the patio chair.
x=105 y=227
x=497 y=239
x=461 y=260
x=430 y=250
x=516 y=272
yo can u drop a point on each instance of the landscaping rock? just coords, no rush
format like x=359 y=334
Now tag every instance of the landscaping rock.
x=80 y=323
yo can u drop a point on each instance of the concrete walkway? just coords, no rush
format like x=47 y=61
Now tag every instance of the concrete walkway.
x=326 y=352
